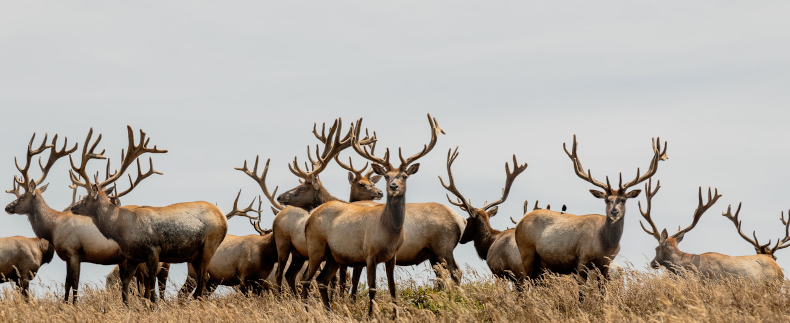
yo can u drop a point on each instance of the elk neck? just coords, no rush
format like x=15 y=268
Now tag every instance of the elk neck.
x=394 y=213
x=107 y=218
x=321 y=197
x=679 y=258
x=611 y=232
x=484 y=237
x=44 y=219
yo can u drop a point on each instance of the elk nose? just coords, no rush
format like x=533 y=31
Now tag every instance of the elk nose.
x=393 y=186
x=615 y=212
x=8 y=208
x=380 y=194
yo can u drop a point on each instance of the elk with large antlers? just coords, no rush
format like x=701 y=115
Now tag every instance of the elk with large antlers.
x=497 y=248
x=291 y=215
x=76 y=238
x=567 y=243
x=354 y=235
x=243 y=261
x=759 y=268
x=183 y=232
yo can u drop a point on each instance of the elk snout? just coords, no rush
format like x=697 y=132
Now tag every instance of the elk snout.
x=379 y=194
x=615 y=212
x=654 y=264
x=10 y=207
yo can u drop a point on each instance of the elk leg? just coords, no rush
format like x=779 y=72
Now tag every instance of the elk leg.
x=190 y=284
x=24 y=285
x=355 y=282
x=74 y=276
x=211 y=286
x=68 y=282
x=389 y=266
x=201 y=267
x=127 y=271
x=371 y=267
x=325 y=278
x=150 y=278
x=293 y=271
x=161 y=278
x=283 y=252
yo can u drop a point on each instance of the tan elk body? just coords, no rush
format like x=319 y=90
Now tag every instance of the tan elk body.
x=20 y=259
x=498 y=248
x=354 y=235
x=565 y=243
x=183 y=232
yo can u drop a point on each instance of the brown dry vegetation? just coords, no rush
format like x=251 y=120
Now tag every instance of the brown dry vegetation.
x=639 y=297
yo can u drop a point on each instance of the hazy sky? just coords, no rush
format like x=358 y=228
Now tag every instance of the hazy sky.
x=220 y=83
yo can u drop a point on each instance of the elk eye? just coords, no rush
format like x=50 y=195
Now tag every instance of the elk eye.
x=301 y=189
x=361 y=184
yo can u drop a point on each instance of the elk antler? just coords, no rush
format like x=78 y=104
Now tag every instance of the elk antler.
x=738 y=223
x=435 y=130
x=462 y=203
x=243 y=212
x=74 y=198
x=510 y=177
x=526 y=206
x=261 y=180
x=658 y=156
x=701 y=208
x=87 y=154
x=646 y=214
x=132 y=153
x=367 y=141
x=784 y=242
x=350 y=166
x=54 y=155
x=357 y=144
x=256 y=224
x=579 y=169
x=332 y=146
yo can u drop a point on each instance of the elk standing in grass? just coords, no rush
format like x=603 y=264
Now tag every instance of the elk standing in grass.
x=288 y=224
x=183 y=232
x=76 y=238
x=497 y=248
x=353 y=235
x=113 y=279
x=759 y=268
x=243 y=261
x=20 y=259
x=567 y=243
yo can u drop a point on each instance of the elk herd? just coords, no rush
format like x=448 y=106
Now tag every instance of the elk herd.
x=312 y=227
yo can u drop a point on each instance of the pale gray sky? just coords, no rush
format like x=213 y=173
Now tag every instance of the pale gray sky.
x=219 y=83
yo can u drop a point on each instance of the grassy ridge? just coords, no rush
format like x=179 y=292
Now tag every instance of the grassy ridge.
x=637 y=296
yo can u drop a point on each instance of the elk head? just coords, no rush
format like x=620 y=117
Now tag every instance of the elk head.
x=26 y=199
x=667 y=252
x=479 y=218
x=308 y=194
x=100 y=195
x=760 y=249
x=363 y=187
x=615 y=198
x=395 y=176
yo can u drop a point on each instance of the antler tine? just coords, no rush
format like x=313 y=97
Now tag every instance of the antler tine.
x=15 y=190
x=509 y=179
x=244 y=211
x=536 y=207
x=256 y=225
x=29 y=157
x=261 y=180
x=332 y=147
x=526 y=206
x=132 y=153
x=646 y=214
x=435 y=130
x=513 y=220
x=54 y=155
x=701 y=208
x=350 y=166
x=658 y=155
x=784 y=242
x=357 y=144
x=463 y=203
x=322 y=136
x=86 y=156
x=140 y=177
x=579 y=169
x=74 y=198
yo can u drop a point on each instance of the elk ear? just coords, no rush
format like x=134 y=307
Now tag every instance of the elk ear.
x=679 y=237
x=31 y=187
x=351 y=178
x=379 y=169
x=108 y=191
x=598 y=194
x=413 y=169
x=633 y=194
x=493 y=211
x=94 y=191
x=664 y=236
x=43 y=188
x=375 y=179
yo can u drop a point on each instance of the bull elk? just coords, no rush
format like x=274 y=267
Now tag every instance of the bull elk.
x=288 y=224
x=76 y=238
x=354 y=235
x=759 y=268
x=243 y=261
x=20 y=259
x=497 y=248
x=183 y=232
x=566 y=243
x=761 y=249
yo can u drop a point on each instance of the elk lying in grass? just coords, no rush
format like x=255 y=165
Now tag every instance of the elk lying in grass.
x=76 y=238
x=353 y=235
x=183 y=232
x=20 y=259
x=760 y=268
x=497 y=248
x=432 y=233
x=243 y=261
x=761 y=249
x=113 y=280
x=567 y=243
x=288 y=224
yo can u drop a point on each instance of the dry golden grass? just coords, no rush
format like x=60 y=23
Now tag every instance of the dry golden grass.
x=638 y=296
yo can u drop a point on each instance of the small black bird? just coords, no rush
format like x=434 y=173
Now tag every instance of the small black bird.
x=564 y=208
